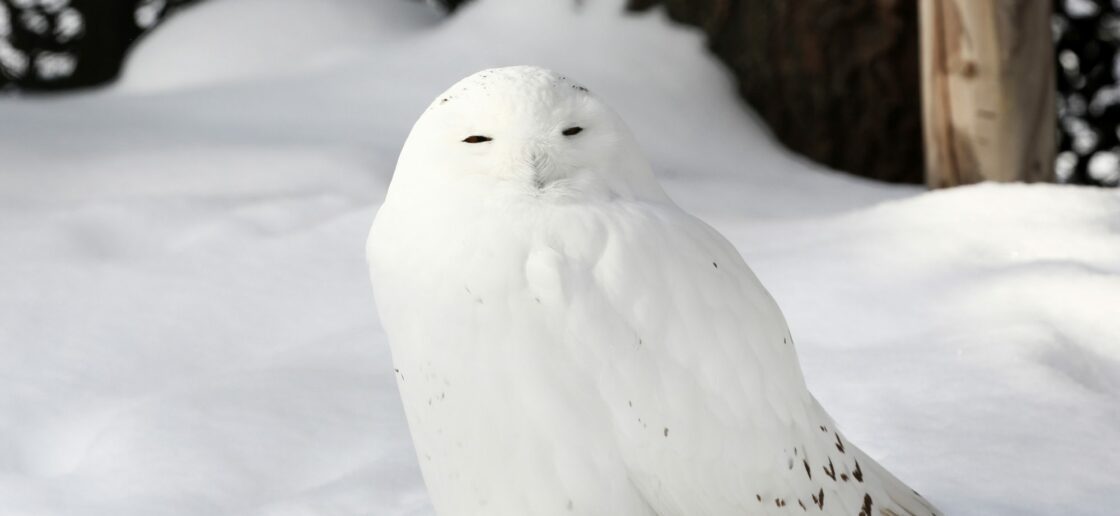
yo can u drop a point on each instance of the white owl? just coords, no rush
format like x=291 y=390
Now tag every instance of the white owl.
x=570 y=342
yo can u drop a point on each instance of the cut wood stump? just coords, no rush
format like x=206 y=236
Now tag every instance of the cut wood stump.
x=987 y=91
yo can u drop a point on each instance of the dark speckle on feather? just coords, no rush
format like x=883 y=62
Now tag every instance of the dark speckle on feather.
x=830 y=470
x=866 y=509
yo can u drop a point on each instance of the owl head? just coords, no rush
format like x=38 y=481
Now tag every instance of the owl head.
x=526 y=133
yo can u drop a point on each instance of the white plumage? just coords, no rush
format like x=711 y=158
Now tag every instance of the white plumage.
x=569 y=341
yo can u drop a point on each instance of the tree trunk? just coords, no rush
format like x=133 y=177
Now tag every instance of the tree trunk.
x=988 y=91
x=835 y=80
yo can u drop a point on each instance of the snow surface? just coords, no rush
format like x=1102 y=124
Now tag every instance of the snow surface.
x=186 y=326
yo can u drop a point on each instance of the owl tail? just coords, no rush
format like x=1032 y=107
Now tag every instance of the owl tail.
x=903 y=501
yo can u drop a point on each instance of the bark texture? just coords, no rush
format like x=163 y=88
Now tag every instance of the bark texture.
x=837 y=81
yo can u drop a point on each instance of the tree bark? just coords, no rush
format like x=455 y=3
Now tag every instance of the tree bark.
x=837 y=81
x=988 y=91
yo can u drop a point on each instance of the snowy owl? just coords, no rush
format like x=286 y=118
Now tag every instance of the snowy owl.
x=567 y=341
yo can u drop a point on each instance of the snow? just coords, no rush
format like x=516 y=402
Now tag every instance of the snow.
x=298 y=36
x=186 y=326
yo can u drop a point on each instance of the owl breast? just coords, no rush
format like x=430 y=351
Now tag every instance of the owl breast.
x=504 y=407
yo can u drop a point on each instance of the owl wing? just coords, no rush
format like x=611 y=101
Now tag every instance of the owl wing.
x=699 y=372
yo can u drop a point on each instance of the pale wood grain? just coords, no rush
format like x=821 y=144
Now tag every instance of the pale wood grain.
x=988 y=91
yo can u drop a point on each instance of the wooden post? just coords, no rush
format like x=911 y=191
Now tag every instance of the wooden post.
x=987 y=91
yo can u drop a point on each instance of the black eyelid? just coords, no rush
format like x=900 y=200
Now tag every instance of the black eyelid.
x=572 y=131
x=477 y=139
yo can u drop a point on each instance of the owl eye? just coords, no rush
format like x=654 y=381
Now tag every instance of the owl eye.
x=572 y=131
x=477 y=139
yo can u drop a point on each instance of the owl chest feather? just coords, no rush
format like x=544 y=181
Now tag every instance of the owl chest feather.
x=498 y=390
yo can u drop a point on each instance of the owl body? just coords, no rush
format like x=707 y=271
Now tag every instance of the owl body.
x=568 y=341
x=506 y=415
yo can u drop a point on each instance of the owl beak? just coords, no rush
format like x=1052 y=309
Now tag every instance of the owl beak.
x=539 y=162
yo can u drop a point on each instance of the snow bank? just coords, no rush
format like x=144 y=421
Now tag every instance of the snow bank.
x=186 y=326
x=229 y=40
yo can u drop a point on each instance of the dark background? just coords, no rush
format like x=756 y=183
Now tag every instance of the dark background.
x=67 y=44
x=1086 y=39
x=837 y=81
